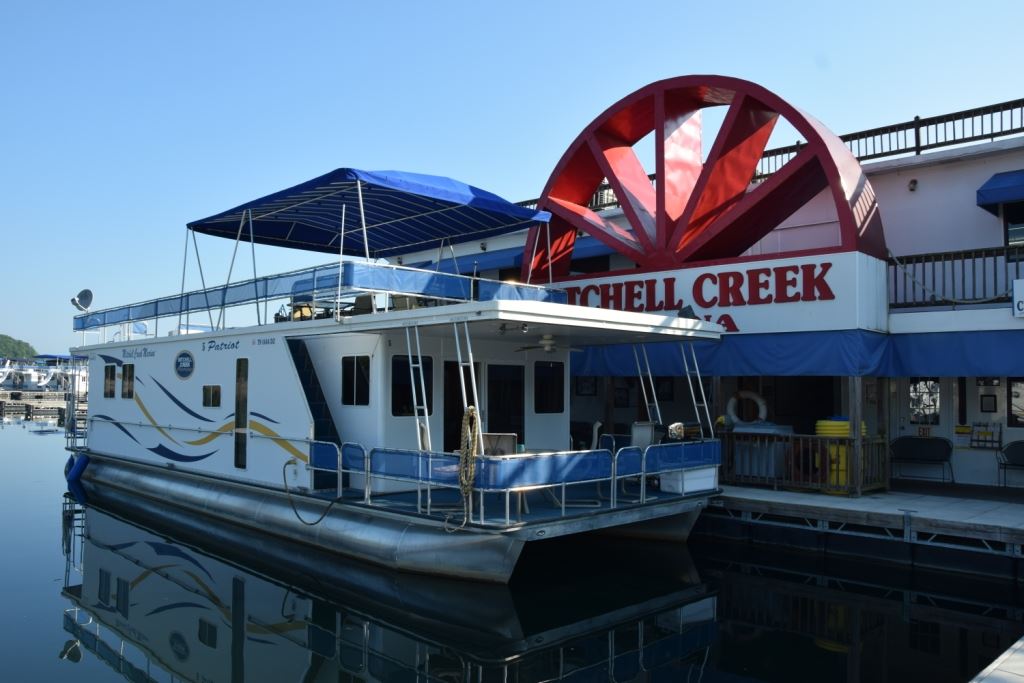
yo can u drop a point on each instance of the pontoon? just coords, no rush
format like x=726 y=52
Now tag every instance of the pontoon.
x=410 y=418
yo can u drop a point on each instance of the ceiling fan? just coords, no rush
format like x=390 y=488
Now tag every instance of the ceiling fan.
x=547 y=344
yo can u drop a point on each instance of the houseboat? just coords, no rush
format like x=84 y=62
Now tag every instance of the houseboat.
x=411 y=418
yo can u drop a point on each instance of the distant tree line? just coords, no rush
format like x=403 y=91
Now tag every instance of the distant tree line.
x=15 y=348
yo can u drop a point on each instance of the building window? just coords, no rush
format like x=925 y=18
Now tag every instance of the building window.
x=211 y=396
x=1015 y=402
x=924 y=400
x=355 y=380
x=401 y=386
x=109 y=380
x=924 y=636
x=128 y=380
x=207 y=634
x=1013 y=215
x=548 y=387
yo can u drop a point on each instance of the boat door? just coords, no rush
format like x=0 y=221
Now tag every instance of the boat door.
x=453 y=402
x=506 y=400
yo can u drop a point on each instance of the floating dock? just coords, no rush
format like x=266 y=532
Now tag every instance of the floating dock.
x=30 y=404
x=978 y=535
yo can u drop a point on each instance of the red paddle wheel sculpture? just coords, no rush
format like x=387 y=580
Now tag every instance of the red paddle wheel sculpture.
x=696 y=210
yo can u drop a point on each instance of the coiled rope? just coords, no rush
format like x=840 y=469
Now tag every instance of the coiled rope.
x=467 y=462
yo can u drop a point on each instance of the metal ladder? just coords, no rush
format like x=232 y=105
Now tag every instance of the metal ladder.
x=643 y=371
x=419 y=398
x=700 y=407
x=463 y=364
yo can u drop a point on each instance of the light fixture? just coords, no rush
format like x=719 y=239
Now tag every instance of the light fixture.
x=912 y=185
x=483 y=246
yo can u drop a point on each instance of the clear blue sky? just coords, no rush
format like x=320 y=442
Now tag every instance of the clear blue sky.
x=120 y=121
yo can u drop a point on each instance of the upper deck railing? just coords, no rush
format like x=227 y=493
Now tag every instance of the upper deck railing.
x=318 y=292
x=909 y=137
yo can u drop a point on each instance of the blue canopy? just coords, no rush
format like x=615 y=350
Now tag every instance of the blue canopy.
x=1002 y=188
x=404 y=212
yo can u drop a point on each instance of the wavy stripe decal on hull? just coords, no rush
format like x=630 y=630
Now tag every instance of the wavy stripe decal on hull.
x=110 y=359
x=165 y=452
x=107 y=418
x=221 y=431
x=178 y=402
x=263 y=429
x=263 y=417
x=176 y=605
x=142 y=407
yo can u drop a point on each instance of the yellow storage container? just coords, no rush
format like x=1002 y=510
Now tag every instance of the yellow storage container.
x=838 y=468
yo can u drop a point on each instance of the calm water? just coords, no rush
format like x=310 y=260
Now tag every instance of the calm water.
x=91 y=597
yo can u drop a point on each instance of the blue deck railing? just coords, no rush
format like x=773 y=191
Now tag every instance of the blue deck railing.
x=320 y=283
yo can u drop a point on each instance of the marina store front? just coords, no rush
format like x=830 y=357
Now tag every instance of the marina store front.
x=879 y=295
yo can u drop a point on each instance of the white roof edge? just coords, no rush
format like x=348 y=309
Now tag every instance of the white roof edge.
x=945 y=156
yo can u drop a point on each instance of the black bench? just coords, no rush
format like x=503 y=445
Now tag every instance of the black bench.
x=1010 y=458
x=923 y=450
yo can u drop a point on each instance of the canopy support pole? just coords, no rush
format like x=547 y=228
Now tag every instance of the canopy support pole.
x=533 y=256
x=341 y=255
x=255 y=284
x=181 y=297
x=366 y=239
x=224 y=295
x=202 y=278
x=551 y=268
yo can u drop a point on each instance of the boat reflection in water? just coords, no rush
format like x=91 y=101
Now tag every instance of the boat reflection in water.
x=212 y=603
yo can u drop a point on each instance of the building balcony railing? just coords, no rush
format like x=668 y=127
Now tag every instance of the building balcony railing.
x=955 y=278
x=797 y=461
x=910 y=137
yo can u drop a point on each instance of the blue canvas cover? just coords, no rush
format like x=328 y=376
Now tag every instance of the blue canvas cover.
x=404 y=212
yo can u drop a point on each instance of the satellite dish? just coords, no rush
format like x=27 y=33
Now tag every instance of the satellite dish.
x=83 y=300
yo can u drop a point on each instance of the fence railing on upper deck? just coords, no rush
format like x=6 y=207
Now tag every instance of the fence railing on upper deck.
x=328 y=286
x=974 y=276
x=909 y=137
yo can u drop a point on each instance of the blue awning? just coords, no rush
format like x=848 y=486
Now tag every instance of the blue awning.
x=1002 y=188
x=989 y=353
x=404 y=212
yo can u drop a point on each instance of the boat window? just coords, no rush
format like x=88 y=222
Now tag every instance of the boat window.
x=548 y=387
x=128 y=380
x=103 y=591
x=355 y=380
x=123 y=597
x=241 y=410
x=1015 y=402
x=924 y=400
x=211 y=396
x=109 y=380
x=401 y=386
x=207 y=633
